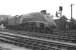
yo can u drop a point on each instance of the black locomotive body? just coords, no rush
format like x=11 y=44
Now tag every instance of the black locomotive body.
x=33 y=22
x=36 y=22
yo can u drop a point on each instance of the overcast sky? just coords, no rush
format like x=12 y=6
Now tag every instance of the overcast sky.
x=18 y=7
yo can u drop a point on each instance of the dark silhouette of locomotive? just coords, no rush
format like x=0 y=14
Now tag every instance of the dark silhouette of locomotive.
x=32 y=22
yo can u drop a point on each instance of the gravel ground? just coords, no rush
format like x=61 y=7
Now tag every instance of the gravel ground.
x=6 y=46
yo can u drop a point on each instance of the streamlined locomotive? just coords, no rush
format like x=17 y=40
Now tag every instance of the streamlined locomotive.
x=33 y=22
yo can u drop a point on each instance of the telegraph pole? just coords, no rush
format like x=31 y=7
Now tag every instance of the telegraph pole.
x=71 y=11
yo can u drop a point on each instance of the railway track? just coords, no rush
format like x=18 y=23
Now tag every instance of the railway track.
x=35 y=43
x=59 y=36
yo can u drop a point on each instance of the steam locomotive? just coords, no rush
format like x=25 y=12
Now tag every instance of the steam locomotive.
x=33 y=22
